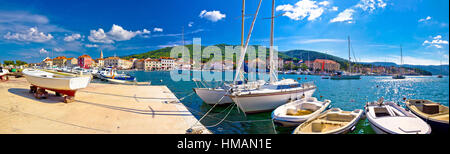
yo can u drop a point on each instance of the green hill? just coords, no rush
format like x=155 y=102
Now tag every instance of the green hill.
x=165 y=52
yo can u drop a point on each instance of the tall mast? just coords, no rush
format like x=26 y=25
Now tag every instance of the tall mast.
x=242 y=56
x=401 y=59
x=272 y=76
x=349 y=57
x=182 y=35
x=242 y=25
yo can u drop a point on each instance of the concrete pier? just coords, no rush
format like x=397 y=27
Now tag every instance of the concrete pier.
x=98 y=109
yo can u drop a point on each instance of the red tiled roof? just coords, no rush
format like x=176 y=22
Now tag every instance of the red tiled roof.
x=85 y=56
x=324 y=61
x=60 y=57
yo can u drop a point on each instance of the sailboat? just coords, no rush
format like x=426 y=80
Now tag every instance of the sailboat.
x=219 y=95
x=346 y=76
x=400 y=76
x=272 y=94
x=440 y=73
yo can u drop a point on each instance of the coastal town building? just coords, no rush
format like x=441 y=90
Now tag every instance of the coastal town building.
x=139 y=64
x=47 y=62
x=85 y=61
x=167 y=63
x=117 y=62
x=59 y=61
x=100 y=62
x=327 y=65
x=71 y=62
x=152 y=64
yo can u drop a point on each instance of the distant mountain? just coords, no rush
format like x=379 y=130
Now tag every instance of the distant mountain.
x=312 y=55
x=433 y=69
x=296 y=55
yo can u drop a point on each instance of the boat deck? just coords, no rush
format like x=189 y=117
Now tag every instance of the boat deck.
x=99 y=108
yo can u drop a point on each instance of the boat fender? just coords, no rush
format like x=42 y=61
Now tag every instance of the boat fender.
x=352 y=129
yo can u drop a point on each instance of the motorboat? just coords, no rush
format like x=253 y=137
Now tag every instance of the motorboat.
x=435 y=114
x=333 y=121
x=345 y=76
x=390 y=118
x=294 y=113
x=61 y=84
x=398 y=76
x=271 y=95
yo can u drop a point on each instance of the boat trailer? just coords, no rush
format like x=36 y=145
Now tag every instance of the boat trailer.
x=41 y=93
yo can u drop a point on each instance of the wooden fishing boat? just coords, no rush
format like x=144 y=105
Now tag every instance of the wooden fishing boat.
x=294 y=113
x=435 y=114
x=390 y=118
x=61 y=84
x=333 y=121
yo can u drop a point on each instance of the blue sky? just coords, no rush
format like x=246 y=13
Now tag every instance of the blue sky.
x=30 y=30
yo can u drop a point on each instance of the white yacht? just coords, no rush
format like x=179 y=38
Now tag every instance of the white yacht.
x=273 y=94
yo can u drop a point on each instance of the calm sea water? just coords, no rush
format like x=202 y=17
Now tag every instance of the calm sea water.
x=344 y=94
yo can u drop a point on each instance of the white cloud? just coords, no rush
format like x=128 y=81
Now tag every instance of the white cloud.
x=310 y=41
x=303 y=9
x=30 y=35
x=72 y=37
x=157 y=29
x=213 y=16
x=344 y=16
x=190 y=24
x=334 y=8
x=324 y=3
x=117 y=33
x=371 y=5
x=436 y=42
x=425 y=19
x=364 y=5
x=22 y=17
x=58 y=49
x=91 y=45
x=43 y=51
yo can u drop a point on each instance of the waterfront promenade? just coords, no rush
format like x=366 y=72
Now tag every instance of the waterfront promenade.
x=98 y=109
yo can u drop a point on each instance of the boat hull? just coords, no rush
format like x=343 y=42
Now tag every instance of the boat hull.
x=260 y=103
x=406 y=123
x=62 y=84
x=436 y=126
x=293 y=121
x=346 y=77
x=212 y=96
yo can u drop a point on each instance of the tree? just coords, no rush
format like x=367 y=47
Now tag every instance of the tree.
x=8 y=62
x=20 y=63
x=303 y=66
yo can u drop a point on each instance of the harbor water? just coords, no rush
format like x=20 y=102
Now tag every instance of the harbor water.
x=345 y=94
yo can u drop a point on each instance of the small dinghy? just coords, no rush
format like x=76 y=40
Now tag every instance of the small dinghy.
x=294 y=113
x=435 y=114
x=390 y=118
x=333 y=121
x=116 y=81
x=61 y=84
